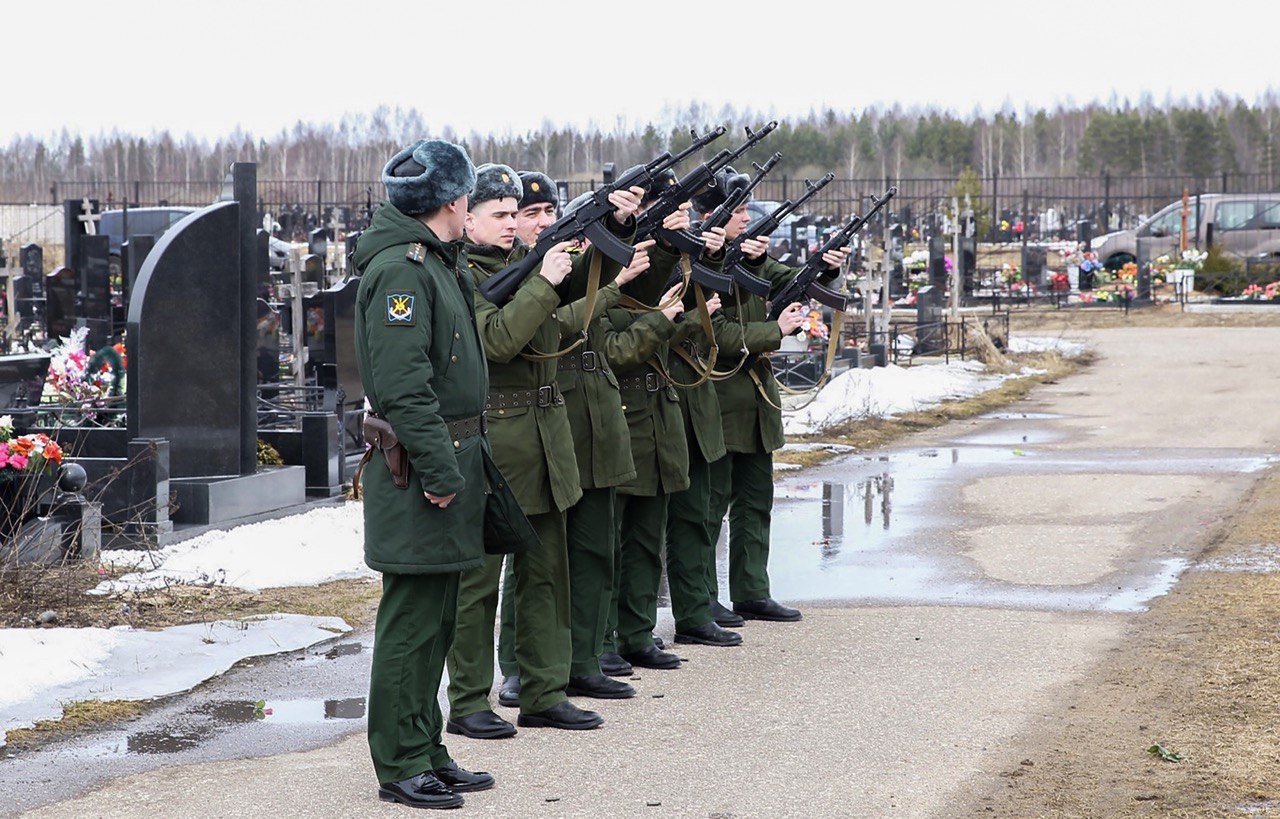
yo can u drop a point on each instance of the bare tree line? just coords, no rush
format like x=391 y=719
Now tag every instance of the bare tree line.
x=1201 y=139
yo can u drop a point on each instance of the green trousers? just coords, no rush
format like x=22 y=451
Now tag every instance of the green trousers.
x=742 y=484
x=414 y=630
x=691 y=547
x=541 y=603
x=592 y=534
x=643 y=524
x=507 y=622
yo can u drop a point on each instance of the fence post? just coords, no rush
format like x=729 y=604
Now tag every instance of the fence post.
x=319 y=203
x=1106 y=201
x=995 y=205
x=137 y=193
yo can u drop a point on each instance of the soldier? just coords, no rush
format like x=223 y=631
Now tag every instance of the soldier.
x=751 y=409
x=424 y=373
x=533 y=446
x=637 y=345
x=604 y=461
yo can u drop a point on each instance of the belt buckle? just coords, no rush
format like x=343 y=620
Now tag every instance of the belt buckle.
x=545 y=396
x=589 y=360
x=484 y=422
x=651 y=382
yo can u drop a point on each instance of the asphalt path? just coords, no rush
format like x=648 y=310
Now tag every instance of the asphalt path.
x=953 y=588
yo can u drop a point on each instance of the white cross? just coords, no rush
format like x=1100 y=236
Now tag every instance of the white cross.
x=89 y=218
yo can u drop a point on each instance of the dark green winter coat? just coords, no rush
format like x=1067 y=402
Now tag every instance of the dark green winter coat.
x=600 y=438
x=421 y=365
x=636 y=345
x=752 y=422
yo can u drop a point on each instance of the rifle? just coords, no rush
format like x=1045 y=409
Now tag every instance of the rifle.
x=690 y=185
x=764 y=226
x=587 y=221
x=721 y=216
x=805 y=283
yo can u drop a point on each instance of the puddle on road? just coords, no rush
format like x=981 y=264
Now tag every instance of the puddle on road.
x=885 y=529
x=200 y=724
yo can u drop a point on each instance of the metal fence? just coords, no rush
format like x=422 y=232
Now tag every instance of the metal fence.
x=1008 y=208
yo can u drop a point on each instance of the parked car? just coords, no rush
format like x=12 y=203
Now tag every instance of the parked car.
x=1242 y=224
x=781 y=237
x=142 y=222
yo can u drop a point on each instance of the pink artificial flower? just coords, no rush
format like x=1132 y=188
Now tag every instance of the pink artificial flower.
x=4 y=457
x=19 y=462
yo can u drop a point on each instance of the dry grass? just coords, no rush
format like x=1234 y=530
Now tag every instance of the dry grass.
x=76 y=716
x=62 y=591
x=875 y=432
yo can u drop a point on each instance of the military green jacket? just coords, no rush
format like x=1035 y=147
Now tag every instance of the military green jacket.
x=590 y=388
x=421 y=365
x=700 y=405
x=532 y=445
x=636 y=346
x=752 y=421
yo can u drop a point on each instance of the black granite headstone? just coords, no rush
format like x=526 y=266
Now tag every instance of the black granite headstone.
x=1033 y=262
x=134 y=253
x=930 y=338
x=340 y=373
x=77 y=215
x=312 y=274
x=61 y=296
x=318 y=242
x=95 y=282
x=938 y=262
x=968 y=262
x=184 y=352
x=32 y=256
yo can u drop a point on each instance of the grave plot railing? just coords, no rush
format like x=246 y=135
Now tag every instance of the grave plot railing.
x=281 y=406
x=798 y=369
x=109 y=411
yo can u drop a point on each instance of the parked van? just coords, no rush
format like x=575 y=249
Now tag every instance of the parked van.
x=142 y=222
x=1242 y=224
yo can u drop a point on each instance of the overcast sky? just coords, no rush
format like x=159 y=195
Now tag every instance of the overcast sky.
x=205 y=68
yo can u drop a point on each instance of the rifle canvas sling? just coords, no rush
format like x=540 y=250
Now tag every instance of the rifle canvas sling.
x=593 y=287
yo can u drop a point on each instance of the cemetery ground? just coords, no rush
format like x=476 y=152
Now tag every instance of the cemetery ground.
x=1192 y=676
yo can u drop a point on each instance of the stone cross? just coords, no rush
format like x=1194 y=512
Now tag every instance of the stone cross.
x=89 y=218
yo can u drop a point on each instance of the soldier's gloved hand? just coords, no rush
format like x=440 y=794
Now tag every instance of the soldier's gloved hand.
x=440 y=500
x=754 y=248
x=791 y=319
x=556 y=264
x=678 y=220
x=714 y=240
x=639 y=262
x=834 y=259
x=626 y=204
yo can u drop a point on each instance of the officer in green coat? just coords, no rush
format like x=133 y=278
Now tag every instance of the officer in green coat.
x=751 y=409
x=423 y=371
x=533 y=445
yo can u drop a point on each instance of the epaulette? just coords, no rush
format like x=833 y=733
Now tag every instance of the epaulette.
x=417 y=252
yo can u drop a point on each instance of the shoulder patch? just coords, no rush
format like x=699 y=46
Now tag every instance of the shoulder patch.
x=400 y=308
x=417 y=252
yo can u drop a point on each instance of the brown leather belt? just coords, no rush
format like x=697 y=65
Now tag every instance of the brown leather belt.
x=649 y=382
x=585 y=360
x=548 y=396
x=467 y=427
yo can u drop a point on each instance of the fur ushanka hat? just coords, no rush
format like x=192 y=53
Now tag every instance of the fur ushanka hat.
x=538 y=188
x=494 y=181
x=428 y=174
x=727 y=181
